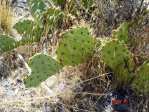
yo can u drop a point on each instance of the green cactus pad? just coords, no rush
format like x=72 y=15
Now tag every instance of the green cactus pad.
x=42 y=66
x=34 y=36
x=119 y=59
x=141 y=82
x=24 y=27
x=75 y=47
x=37 y=8
x=29 y=31
x=121 y=33
x=6 y=43
x=115 y=54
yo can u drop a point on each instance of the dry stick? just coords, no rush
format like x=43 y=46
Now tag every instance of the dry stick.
x=90 y=80
x=93 y=78
x=87 y=93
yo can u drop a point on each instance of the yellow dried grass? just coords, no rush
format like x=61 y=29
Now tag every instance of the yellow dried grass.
x=6 y=16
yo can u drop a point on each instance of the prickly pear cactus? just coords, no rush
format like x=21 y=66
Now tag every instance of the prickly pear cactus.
x=24 y=27
x=37 y=8
x=119 y=59
x=75 y=47
x=6 y=43
x=29 y=31
x=42 y=67
x=141 y=82
x=115 y=53
x=121 y=33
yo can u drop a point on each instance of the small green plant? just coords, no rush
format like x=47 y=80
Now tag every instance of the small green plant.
x=75 y=47
x=42 y=66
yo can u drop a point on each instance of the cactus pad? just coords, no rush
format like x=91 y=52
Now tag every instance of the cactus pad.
x=6 y=43
x=141 y=82
x=75 y=47
x=42 y=67
x=29 y=31
x=119 y=59
x=115 y=54
x=37 y=7
x=24 y=27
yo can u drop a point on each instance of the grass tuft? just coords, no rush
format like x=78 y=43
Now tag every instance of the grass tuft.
x=6 y=16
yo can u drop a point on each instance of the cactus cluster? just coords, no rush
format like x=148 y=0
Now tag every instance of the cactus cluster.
x=75 y=47
x=117 y=56
x=42 y=67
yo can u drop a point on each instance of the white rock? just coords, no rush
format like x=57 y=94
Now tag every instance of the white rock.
x=51 y=81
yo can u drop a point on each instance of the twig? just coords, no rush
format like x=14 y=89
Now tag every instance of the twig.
x=93 y=78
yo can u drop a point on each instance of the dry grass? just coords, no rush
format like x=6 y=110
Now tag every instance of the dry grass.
x=6 y=16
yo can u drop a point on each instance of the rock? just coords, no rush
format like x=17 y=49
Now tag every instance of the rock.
x=20 y=8
x=16 y=110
